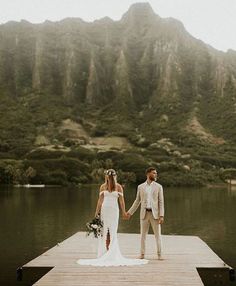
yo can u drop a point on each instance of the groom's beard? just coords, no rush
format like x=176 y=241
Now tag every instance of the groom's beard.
x=152 y=179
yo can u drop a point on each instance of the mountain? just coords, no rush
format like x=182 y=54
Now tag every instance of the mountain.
x=142 y=85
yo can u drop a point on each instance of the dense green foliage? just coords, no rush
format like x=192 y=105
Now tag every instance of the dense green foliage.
x=142 y=78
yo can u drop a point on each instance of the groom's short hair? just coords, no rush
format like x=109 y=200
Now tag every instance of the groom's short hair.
x=150 y=169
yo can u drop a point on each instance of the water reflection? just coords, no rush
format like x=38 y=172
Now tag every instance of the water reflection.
x=33 y=220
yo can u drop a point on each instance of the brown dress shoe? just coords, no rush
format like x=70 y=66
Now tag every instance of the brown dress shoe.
x=141 y=256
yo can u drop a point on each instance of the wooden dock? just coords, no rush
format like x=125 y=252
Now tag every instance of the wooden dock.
x=182 y=256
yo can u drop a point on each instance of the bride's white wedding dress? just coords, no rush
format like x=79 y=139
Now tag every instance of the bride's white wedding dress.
x=110 y=218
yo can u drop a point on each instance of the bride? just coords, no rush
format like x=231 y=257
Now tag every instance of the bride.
x=109 y=253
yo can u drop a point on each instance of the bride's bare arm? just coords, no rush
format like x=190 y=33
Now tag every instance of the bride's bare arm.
x=121 y=199
x=100 y=201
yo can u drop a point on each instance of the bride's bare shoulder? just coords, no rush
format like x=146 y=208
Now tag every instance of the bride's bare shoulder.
x=119 y=188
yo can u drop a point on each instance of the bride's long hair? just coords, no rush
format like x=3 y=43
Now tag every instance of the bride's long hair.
x=110 y=180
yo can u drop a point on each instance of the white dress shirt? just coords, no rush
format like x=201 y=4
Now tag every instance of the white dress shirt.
x=148 y=190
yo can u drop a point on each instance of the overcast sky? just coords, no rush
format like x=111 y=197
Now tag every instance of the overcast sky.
x=213 y=21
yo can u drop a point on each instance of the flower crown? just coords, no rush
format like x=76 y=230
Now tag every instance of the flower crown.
x=110 y=172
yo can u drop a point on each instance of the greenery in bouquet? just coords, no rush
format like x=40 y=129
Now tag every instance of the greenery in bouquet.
x=95 y=226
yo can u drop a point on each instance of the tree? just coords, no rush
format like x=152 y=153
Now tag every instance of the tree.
x=30 y=173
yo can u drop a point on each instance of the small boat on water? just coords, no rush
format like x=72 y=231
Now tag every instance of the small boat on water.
x=34 y=186
x=31 y=186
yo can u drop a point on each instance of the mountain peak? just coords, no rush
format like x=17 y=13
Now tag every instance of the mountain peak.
x=140 y=10
x=141 y=5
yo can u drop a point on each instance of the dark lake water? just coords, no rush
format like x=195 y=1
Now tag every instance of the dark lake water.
x=34 y=220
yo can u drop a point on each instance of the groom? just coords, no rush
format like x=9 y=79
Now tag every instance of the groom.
x=150 y=195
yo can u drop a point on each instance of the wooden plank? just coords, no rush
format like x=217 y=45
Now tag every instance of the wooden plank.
x=183 y=254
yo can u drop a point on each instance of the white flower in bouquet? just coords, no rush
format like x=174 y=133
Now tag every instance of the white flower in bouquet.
x=95 y=227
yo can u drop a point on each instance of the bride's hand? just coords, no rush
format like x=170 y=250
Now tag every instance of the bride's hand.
x=124 y=215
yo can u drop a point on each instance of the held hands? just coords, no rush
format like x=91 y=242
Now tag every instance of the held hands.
x=126 y=216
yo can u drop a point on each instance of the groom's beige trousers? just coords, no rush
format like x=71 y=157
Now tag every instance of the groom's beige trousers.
x=145 y=224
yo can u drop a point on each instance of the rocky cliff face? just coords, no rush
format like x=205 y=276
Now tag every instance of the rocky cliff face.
x=144 y=68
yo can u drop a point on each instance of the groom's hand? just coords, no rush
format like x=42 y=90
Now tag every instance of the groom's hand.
x=161 y=220
x=128 y=215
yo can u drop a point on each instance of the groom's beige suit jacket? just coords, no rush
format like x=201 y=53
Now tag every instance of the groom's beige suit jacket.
x=157 y=200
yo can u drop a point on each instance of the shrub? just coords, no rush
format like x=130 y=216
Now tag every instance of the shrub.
x=41 y=154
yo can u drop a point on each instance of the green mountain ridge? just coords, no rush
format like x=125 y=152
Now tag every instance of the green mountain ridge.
x=142 y=78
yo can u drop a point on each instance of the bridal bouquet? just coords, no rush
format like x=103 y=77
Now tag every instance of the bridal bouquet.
x=95 y=227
